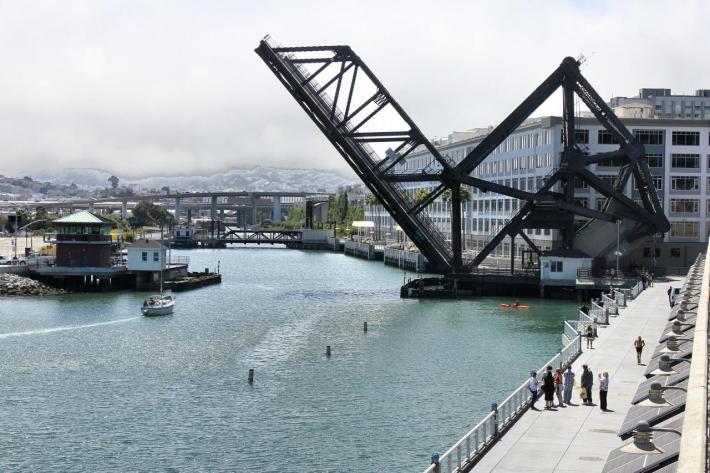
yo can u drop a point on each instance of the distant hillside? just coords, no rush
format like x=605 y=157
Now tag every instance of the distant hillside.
x=262 y=179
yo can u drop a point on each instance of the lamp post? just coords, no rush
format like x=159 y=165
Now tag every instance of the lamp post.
x=618 y=229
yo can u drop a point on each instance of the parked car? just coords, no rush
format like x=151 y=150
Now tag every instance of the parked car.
x=38 y=259
x=5 y=260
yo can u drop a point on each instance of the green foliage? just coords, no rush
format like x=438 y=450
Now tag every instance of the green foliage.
x=420 y=194
x=465 y=194
x=372 y=199
x=114 y=182
x=146 y=213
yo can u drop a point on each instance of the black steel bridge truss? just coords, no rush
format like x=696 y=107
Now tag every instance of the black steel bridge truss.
x=374 y=135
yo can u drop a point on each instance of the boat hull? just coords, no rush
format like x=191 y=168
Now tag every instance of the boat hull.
x=166 y=309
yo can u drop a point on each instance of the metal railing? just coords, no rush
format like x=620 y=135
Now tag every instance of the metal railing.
x=600 y=313
x=585 y=319
x=610 y=305
x=619 y=298
x=477 y=440
x=570 y=330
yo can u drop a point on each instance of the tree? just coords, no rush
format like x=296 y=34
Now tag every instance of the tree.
x=465 y=194
x=342 y=207
x=114 y=181
x=165 y=189
x=420 y=194
x=147 y=213
x=372 y=199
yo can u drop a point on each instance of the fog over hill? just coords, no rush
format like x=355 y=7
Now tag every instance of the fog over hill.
x=260 y=178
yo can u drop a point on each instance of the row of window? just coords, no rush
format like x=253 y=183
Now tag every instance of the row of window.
x=156 y=256
x=645 y=137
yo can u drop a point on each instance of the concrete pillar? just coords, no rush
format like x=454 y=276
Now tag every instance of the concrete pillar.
x=91 y=206
x=276 y=209
x=124 y=208
x=253 y=210
x=177 y=210
x=213 y=214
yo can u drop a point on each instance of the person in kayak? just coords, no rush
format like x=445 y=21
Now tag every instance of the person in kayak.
x=517 y=303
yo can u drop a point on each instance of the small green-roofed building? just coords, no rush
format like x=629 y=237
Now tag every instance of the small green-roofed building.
x=83 y=239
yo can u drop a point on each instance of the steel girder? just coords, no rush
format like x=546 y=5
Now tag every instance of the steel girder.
x=357 y=113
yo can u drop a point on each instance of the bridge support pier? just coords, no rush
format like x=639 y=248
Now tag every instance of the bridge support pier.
x=276 y=209
x=253 y=210
x=124 y=208
x=177 y=210
x=213 y=214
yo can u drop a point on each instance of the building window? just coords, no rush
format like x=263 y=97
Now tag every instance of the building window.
x=555 y=266
x=580 y=136
x=655 y=160
x=684 y=206
x=581 y=201
x=606 y=138
x=675 y=252
x=580 y=183
x=649 y=137
x=156 y=256
x=685 y=161
x=600 y=204
x=684 y=230
x=647 y=252
x=144 y=256
x=685 y=183
x=686 y=138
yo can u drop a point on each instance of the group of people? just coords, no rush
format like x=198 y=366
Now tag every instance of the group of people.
x=561 y=385
x=646 y=280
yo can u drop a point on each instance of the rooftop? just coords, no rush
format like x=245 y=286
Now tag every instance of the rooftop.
x=84 y=217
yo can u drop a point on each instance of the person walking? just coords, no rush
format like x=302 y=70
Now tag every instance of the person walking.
x=568 y=378
x=650 y=279
x=639 y=343
x=670 y=299
x=557 y=379
x=603 y=390
x=589 y=333
x=548 y=387
x=532 y=386
x=587 y=383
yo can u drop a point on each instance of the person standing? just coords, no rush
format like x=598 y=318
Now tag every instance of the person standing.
x=603 y=390
x=568 y=378
x=639 y=343
x=532 y=386
x=670 y=299
x=589 y=332
x=548 y=387
x=587 y=383
x=557 y=379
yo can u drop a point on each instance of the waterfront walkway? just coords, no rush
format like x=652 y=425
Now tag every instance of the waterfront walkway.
x=578 y=438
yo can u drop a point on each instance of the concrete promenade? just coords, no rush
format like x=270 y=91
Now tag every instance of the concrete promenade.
x=578 y=438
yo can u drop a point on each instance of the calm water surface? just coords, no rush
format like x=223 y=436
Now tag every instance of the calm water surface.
x=89 y=385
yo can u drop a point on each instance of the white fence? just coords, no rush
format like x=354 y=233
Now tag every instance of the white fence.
x=478 y=439
x=600 y=313
x=610 y=305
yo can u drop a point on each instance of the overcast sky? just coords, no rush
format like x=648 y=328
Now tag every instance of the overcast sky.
x=174 y=87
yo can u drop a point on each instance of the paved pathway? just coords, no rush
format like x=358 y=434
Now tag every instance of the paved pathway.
x=578 y=439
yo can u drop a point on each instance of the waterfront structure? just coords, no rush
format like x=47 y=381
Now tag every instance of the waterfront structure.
x=83 y=240
x=678 y=153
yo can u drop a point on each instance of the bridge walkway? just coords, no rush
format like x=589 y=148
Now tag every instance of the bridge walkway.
x=578 y=439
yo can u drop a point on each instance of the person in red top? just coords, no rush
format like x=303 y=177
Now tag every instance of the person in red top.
x=557 y=380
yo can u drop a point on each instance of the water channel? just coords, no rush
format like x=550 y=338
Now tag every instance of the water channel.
x=89 y=385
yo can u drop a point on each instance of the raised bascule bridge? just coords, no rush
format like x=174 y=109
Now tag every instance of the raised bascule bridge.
x=374 y=134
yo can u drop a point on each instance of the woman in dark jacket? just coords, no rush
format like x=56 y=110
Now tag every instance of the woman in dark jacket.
x=549 y=388
x=587 y=382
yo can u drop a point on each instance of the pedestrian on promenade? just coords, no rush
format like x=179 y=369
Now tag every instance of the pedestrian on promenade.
x=670 y=296
x=594 y=328
x=532 y=386
x=590 y=336
x=639 y=343
x=587 y=383
x=548 y=387
x=557 y=379
x=568 y=378
x=650 y=279
x=603 y=390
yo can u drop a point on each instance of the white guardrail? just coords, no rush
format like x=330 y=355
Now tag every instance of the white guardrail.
x=477 y=440
x=610 y=305
x=600 y=313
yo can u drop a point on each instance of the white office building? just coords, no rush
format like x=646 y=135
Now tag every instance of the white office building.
x=678 y=151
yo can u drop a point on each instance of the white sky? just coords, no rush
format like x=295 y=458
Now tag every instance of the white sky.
x=174 y=87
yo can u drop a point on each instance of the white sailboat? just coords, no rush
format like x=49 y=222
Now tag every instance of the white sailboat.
x=159 y=304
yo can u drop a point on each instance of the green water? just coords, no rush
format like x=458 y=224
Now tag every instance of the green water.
x=89 y=385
